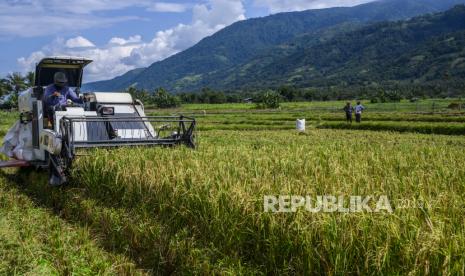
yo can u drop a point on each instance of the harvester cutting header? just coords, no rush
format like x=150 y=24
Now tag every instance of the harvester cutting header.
x=56 y=120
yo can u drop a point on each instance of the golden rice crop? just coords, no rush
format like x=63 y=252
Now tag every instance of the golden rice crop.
x=176 y=210
x=209 y=202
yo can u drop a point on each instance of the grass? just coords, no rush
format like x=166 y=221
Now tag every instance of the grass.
x=446 y=123
x=222 y=211
x=168 y=215
x=429 y=105
x=405 y=116
x=164 y=211
x=422 y=127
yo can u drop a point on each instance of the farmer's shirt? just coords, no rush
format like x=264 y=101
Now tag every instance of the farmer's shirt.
x=359 y=108
x=348 y=109
x=66 y=94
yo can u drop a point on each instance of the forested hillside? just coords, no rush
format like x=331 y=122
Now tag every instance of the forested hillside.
x=292 y=48
x=425 y=49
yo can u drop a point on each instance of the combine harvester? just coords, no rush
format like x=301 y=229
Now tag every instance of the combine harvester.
x=104 y=120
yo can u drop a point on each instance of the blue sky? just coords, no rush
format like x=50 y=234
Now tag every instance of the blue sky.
x=120 y=35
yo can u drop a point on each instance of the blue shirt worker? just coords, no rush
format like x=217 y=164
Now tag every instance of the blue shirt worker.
x=57 y=94
x=358 y=112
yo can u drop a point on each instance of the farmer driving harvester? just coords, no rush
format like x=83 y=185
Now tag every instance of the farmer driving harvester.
x=57 y=94
x=103 y=120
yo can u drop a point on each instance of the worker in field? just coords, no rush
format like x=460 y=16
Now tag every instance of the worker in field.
x=358 y=112
x=348 y=110
x=57 y=94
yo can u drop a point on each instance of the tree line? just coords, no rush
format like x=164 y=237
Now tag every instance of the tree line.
x=271 y=98
x=13 y=83
x=161 y=98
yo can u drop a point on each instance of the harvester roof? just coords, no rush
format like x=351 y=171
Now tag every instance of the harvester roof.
x=71 y=66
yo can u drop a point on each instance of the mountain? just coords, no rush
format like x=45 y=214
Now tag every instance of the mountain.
x=419 y=50
x=116 y=83
x=221 y=60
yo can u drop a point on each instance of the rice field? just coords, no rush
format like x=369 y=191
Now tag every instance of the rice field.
x=180 y=211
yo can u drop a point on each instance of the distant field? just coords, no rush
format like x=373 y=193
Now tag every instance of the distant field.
x=161 y=211
x=429 y=105
x=425 y=116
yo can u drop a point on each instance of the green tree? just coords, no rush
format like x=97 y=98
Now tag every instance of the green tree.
x=188 y=97
x=139 y=94
x=17 y=82
x=288 y=93
x=269 y=99
x=30 y=77
x=394 y=96
x=12 y=101
x=213 y=97
x=4 y=87
x=12 y=85
x=131 y=90
x=163 y=99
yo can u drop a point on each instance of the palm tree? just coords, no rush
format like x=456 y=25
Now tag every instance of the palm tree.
x=30 y=77
x=17 y=82
x=132 y=90
x=4 y=87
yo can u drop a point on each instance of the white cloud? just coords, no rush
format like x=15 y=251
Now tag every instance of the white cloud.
x=33 y=26
x=32 y=18
x=167 y=7
x=78 y=42
x=87 y=6
x=121 y=55
x=275 y=6
x=107 y=59
x=221 y=12
x=29 y=63
x=206 y=20
x=67 y=7
x=122 y=41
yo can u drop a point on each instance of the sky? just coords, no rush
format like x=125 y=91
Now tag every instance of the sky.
x=121 y=35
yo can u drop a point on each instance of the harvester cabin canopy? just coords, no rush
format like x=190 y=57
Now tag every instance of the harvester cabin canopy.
x=71 y=66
